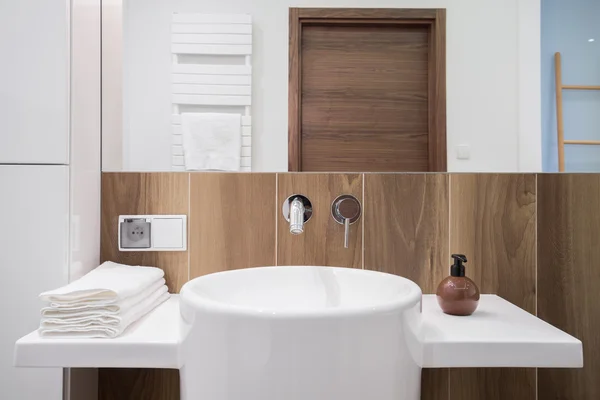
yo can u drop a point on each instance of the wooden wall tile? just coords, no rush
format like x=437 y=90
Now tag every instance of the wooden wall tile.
x=435 y=384
x=232 y=221
x=406 y=233
x=406 y=226
x=138 y=194
x=138 y=383
x=493 y=384
x=492 y=221
x=322 y=242
x=569 y=277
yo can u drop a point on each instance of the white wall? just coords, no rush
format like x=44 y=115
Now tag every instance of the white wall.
x=85 y=138
x=34 y=233
x=112 y=76
x=34 y=81
x=529 y=84
x=34 y=199
x=492 y=46
x=49 y=214
x=82 y=384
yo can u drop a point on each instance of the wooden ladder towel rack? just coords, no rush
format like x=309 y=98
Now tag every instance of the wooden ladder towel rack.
x=559 y=113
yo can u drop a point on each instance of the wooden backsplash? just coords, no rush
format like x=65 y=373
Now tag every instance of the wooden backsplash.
x=410 y=225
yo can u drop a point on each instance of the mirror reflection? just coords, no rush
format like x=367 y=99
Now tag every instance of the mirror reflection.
x=276 y=86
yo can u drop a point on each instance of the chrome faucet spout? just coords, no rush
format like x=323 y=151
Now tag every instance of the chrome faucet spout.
x=296 y=216
x=297 y=210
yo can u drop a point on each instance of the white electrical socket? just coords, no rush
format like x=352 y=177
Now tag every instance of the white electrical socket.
x=135 y=233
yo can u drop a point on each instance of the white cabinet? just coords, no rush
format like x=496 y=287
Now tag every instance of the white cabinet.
x=34 y=82
x=34 y=243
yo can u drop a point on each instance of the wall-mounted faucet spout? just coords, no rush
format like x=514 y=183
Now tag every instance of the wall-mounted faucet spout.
x=297 y=210
x=296 y=216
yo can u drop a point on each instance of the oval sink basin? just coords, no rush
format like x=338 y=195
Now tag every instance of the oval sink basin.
x=287 y=292
x=299 y=333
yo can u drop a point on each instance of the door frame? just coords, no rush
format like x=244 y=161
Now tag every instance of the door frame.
x=434 y=18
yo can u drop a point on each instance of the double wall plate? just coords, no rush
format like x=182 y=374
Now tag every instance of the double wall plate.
x=152 y=233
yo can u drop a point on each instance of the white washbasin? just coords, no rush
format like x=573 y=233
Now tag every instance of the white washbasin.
x=303 y=291
x=299 y=333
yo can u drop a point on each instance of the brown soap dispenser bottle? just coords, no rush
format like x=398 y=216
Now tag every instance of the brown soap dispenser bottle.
x=457 y=294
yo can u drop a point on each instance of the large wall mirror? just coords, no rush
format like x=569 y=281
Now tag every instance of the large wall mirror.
x=323 y=85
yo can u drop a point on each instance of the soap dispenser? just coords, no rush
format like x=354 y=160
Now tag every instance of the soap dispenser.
x=457 y=294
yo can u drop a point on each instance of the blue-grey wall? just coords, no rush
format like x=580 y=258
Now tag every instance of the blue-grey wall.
x=567 y=27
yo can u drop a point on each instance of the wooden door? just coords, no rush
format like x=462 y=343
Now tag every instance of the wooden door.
x=367 y=90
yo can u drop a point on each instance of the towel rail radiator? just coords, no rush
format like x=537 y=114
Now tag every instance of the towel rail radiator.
x=211 y=72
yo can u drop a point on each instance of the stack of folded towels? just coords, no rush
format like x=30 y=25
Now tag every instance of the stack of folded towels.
x=103 y=303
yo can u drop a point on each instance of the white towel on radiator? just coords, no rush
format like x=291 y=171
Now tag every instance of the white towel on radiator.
x=107 y=326
x=107 y=284
x=87 y=309
x=212 y=141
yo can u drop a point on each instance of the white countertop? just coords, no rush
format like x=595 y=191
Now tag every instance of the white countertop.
x=498 y=334
x=151 y=342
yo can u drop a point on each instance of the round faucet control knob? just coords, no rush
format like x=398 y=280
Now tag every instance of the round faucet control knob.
x=348 y=208
x=345 y=210
x=345 y=207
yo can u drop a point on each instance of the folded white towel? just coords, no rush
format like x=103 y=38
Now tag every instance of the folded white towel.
x=107 y=284
x=211 y=141
x=102 y=327
x=83 y=309
x=102 y=318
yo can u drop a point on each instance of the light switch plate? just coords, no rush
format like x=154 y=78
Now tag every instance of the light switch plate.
x=152 y=232
x=168 y=233
x=463 y=152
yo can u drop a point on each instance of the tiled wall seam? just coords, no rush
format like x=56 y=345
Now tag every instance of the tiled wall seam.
x=537 y=202
x=364 y=222
x=277 y=207
x=449 y=183
x=189 y=225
